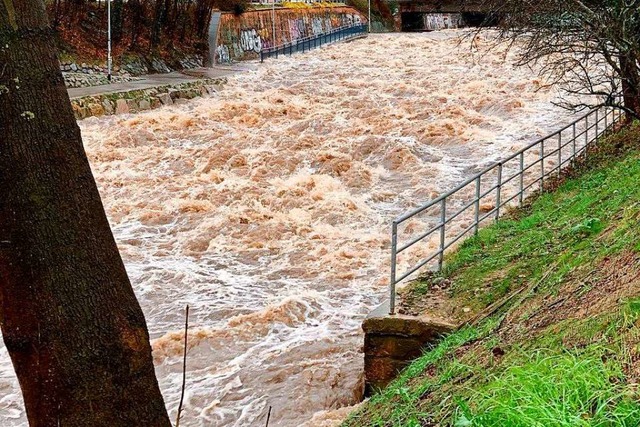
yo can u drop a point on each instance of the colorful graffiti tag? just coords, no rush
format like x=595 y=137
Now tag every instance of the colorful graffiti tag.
x=222 y=54
x=250 y=41
x=243 y=37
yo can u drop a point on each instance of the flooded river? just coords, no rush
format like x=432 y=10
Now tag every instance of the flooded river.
x=267 y=207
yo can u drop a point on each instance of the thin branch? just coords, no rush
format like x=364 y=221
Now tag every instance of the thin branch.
x=268 y=417
x=184 y=365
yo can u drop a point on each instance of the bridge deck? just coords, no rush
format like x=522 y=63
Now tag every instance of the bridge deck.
x=441 y=6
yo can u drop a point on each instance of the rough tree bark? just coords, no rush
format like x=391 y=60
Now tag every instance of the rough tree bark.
x=70 y=320
x=630 y=83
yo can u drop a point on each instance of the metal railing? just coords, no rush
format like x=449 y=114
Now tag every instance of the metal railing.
x=312 y=42
x=482 y=197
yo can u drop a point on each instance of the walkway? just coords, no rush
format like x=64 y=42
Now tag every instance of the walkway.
x=153 y=80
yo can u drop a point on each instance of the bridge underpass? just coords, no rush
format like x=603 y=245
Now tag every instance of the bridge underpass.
x=432 y=21
x=431 y=15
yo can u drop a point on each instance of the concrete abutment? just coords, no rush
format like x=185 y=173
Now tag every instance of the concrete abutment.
x=393 y=342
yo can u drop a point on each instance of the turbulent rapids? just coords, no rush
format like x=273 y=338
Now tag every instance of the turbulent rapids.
x=266 y=208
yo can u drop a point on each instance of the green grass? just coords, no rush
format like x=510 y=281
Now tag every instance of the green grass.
x=560 y=230
x=570 y=389
x=549 y=385
x=512 y=369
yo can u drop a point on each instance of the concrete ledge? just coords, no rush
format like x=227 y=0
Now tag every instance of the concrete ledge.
x=392 y=342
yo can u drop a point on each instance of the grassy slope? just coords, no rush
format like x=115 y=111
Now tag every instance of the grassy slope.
x=563 y=349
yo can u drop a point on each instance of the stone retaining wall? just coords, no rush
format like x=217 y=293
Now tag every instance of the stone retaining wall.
x=146 y=99
x=74 y=80
x=242 y=37
x=392 y=342
x=124 y=70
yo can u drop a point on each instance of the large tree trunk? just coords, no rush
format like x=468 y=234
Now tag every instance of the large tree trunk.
x=70 y=320
x=156 y=27
x=630 y=84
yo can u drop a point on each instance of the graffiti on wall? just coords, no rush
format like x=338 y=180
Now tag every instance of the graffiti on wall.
x=250 y=41
x=222 y=54
x=317 y=25
x=351 y=19
x=441 y=21
x=297 y=29
x=243 y=37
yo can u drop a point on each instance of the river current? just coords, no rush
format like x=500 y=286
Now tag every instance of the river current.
x=267 y=209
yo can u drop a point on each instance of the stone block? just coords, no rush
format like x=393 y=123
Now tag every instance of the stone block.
x=121 y=106
x=393 y=346
x=144 y=105
x=380 y=371
x=133 y=105
x=392 y=342
x=383 y=368
x=78 y=111
x=96 y=110
x=189 y=94
x=422 y=328
x=108 y=106
x=165 y=98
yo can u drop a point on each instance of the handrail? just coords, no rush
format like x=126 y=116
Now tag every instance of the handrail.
x=571 y=146
x=307 y=43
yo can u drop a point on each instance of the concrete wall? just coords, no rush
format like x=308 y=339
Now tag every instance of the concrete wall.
x=393 y=342
x=242 y=37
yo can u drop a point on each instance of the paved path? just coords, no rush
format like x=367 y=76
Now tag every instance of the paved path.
x=153 y=80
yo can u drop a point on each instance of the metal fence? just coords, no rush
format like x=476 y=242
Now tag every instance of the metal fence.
x=484 y=196
x=312 y=42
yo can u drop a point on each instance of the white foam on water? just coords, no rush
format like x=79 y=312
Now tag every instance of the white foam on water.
x=267 y=209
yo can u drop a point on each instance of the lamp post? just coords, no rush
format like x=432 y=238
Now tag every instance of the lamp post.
x=369 y=22
x=109 y=40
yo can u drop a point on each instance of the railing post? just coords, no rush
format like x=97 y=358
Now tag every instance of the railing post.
x=477 y=210
x=521 y=194
x=597 y=134
x=392 y=283
x=498 y=190
x=542 y=165
x=586 y=132
x=559 y=152
x=573 y=142
x=443 y=219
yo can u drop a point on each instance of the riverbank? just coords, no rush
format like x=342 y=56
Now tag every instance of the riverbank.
x=551 y=298
x=148 y=92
